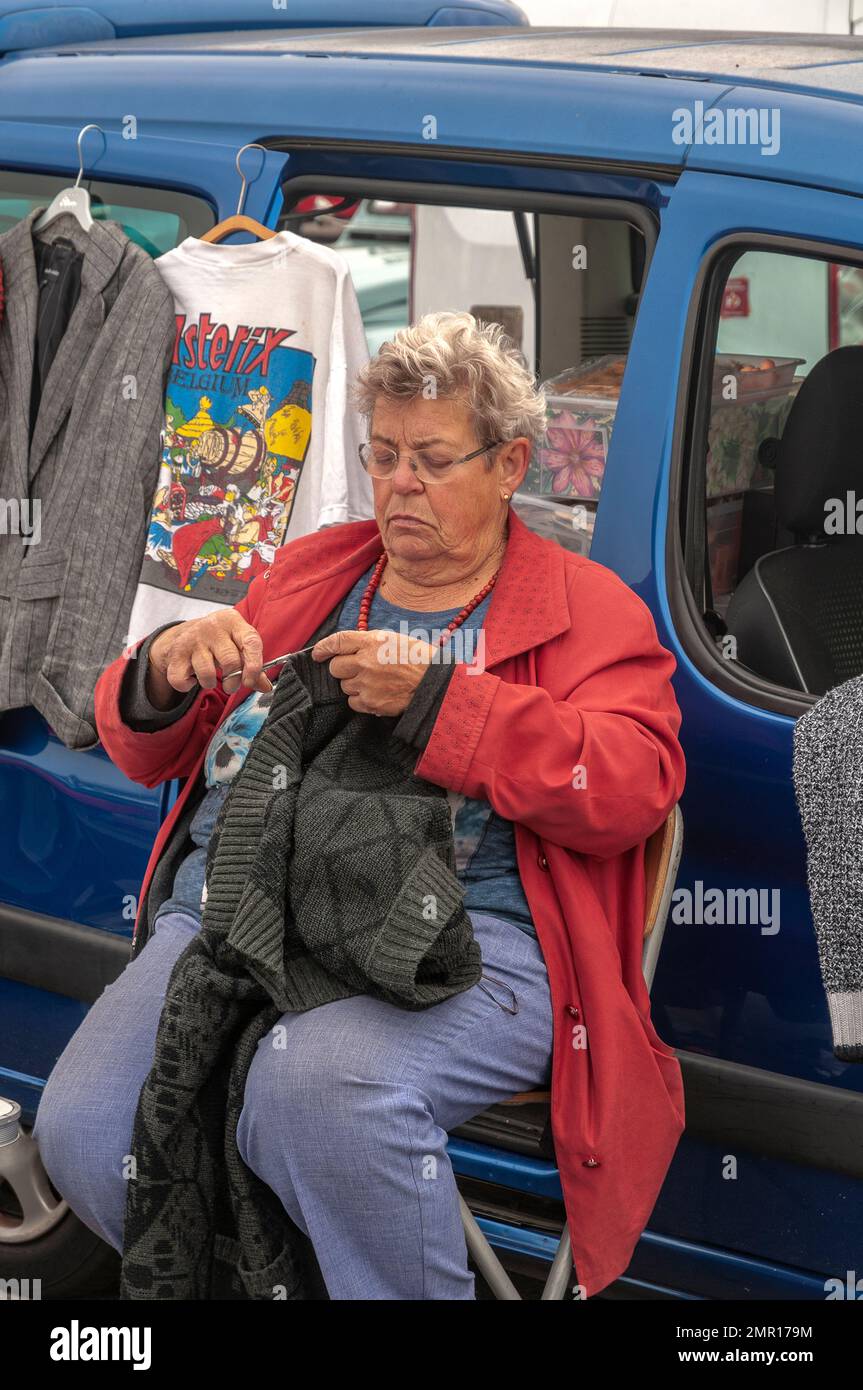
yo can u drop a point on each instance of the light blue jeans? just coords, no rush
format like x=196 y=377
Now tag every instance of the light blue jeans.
x=347 y=1123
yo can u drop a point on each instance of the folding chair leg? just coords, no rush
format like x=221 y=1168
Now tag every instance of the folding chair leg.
x=484 y=1257
x=557 y=1283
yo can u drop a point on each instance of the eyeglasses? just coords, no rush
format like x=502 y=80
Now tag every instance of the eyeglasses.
x=429 y=466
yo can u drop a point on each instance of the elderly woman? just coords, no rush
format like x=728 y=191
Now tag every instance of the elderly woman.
x=549 y=718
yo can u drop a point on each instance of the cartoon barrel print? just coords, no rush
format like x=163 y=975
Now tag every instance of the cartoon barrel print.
x=229 y=452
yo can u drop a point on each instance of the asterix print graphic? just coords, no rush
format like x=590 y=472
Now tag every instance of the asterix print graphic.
x=238 y=420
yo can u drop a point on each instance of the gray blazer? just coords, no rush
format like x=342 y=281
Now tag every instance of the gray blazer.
x=92 y=466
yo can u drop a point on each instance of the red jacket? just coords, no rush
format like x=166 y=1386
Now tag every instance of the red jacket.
x=575 y=679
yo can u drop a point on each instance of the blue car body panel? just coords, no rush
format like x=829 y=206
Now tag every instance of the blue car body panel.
x=33 y=24
x=588 y=117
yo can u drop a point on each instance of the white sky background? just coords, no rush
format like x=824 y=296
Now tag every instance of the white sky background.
x=768 y=16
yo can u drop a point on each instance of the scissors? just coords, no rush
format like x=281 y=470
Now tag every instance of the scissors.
x=276 y=661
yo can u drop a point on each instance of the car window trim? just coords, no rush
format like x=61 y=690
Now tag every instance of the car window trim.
x=564 y=163
x=481 y=196
x=700 y=331
x=630 y=212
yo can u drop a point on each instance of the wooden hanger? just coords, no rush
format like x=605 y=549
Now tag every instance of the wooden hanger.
x=239 y=222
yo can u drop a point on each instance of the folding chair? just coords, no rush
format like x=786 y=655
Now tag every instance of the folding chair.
x=661 y=860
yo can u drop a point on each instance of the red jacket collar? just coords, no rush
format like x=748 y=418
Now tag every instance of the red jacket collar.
x=529 y=604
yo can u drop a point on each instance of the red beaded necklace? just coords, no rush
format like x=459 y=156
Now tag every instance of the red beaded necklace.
x=371 y=588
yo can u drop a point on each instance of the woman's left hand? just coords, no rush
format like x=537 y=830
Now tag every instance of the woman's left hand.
x=378 y=670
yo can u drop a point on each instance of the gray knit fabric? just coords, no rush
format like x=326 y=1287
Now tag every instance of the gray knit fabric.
x=361 y=849
x=414 y=727
x=828 y=783
x=330 y=873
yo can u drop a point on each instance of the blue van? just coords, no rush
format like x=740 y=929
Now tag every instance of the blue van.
x=671 y=225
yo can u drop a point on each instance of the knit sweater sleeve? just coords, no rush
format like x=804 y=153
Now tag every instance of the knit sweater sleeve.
x=418 y=720
x=828 y=784
x=136 y=709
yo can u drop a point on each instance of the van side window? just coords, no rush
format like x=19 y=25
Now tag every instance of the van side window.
x=776 y=443
x=158 y=219
x=565 y=289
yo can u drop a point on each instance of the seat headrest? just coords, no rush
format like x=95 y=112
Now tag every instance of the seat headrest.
x=820 y=455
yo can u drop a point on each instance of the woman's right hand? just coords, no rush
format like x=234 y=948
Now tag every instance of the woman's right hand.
x=198 y=651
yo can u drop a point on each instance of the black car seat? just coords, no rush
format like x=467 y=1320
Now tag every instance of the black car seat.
x=798 y=614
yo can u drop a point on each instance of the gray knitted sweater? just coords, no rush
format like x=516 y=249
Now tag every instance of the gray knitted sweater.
x=330 y=873
x=828 y=783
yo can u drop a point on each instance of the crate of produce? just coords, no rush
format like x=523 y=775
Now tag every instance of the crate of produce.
x=738 y=374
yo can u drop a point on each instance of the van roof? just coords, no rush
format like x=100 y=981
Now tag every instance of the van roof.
x=27 y=24
x=813 y=62
x=538 y=95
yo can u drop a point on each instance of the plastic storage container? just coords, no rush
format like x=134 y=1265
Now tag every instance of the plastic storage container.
x=581 y=405
x=750 y=373
x=568 y=523
x=751 y=399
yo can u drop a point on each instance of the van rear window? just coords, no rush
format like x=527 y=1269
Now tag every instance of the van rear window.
x=565 y=289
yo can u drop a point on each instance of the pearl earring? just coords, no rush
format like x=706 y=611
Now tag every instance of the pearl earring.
x=506 y=496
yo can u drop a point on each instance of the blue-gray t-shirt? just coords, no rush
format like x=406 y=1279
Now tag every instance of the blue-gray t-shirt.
x=484 y=841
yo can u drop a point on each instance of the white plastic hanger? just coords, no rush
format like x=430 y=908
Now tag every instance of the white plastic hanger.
x=76 y=199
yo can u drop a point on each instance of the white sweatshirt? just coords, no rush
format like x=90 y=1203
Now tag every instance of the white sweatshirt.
x=260 y=443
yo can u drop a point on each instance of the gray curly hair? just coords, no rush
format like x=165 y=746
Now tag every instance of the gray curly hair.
x=464 y=358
